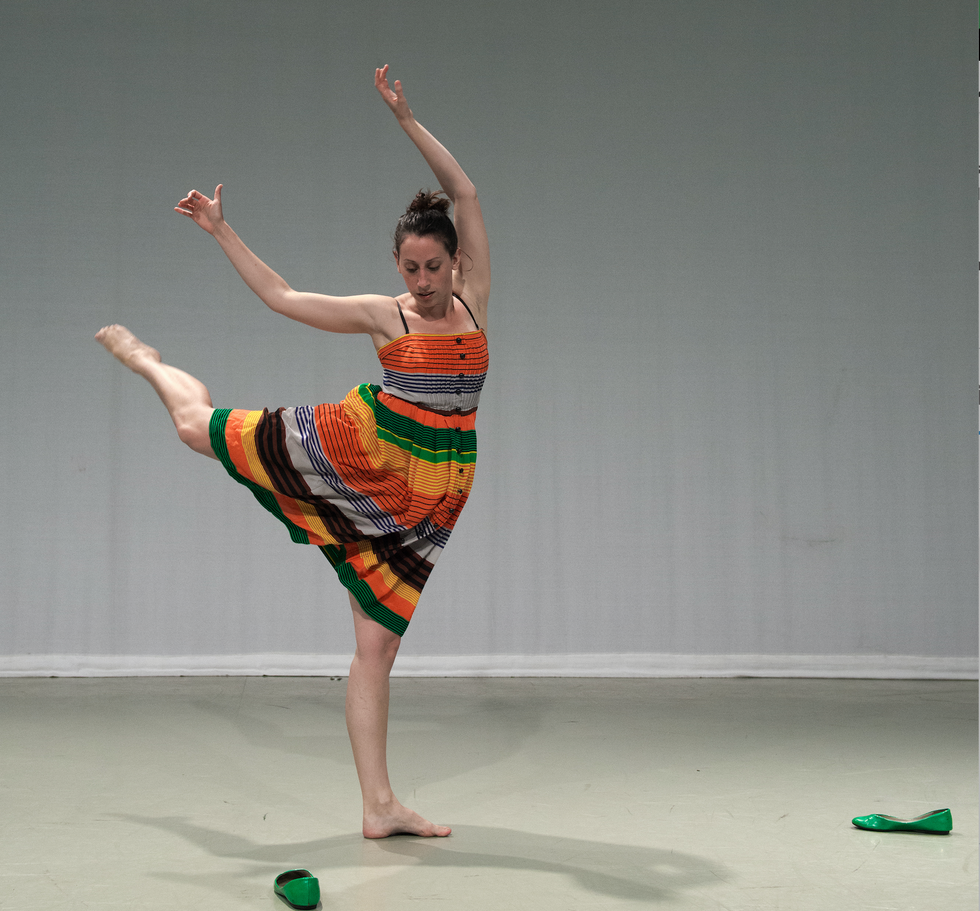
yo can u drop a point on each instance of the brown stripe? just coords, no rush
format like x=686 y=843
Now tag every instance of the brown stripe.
x=341 y=528
x=403 y=561
x=270 y=443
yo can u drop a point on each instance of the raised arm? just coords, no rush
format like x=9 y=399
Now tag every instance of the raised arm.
x=361 y=313
x=472 y=281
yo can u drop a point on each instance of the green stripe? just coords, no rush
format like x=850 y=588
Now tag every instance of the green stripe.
x=425 y=455
x=216 y=430
x=428 y=444
x=362 y=591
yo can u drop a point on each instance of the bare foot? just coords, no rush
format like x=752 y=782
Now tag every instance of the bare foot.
x=126 y=347
x=398 y=820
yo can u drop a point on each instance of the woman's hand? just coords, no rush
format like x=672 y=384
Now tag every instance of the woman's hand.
x=205 y=212
x=394 y=99
x=474 y=280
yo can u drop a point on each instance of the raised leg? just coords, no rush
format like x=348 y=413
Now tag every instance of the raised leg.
x=367 y=724
x=186 y=398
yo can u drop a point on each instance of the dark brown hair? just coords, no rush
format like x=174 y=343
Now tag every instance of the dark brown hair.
x=428 y=216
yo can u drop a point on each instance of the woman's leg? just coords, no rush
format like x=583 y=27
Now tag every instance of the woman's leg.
x=367 y=724
x=186 y=398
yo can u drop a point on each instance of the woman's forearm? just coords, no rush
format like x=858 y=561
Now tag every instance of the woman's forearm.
x=446 y=169
x=267 y=284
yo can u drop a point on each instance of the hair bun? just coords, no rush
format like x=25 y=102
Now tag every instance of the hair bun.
x=426 y=202
x=428 y=215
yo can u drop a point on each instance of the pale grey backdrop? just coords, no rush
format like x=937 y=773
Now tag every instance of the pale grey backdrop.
x=732 y=322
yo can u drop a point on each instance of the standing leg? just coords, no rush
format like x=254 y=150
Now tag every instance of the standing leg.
x=367 y=724
x=186 y=398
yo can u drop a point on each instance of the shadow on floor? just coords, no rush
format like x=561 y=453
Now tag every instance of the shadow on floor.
x=485 y=731
x=603 y=868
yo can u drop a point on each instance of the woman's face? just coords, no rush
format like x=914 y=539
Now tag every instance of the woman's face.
x=427 y=267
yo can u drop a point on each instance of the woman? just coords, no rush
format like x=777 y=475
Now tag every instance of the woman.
x=378 y=481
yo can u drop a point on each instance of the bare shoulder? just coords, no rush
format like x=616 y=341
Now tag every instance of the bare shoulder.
x=386 y=319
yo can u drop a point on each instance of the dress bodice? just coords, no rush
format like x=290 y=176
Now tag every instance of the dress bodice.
x=438 y=372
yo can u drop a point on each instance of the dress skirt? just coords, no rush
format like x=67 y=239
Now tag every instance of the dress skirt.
x=376 y=482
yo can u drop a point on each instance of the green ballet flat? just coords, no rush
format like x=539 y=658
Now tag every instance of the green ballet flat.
x=938 y=822
x=299 y=888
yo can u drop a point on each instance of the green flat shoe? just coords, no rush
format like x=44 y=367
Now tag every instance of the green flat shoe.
x=298 y=888
x=938 y=822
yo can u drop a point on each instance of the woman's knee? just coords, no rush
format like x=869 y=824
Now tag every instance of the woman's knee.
x=380 y=650
x=194 y=429
x=377 y=644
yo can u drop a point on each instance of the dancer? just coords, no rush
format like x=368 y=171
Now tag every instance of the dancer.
x=377 y=482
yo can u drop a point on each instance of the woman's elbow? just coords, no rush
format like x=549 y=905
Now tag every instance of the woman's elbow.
x=280 y=300
x=464 y=193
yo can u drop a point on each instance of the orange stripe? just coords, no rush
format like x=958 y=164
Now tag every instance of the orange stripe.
x=236 y=448
x=364 y=562
x=448 y=337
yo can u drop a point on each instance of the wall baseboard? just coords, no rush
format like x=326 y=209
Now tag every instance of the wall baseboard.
x=898 y=667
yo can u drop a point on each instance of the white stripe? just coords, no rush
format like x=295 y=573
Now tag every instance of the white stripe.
x=877 y=667
x=308 y=457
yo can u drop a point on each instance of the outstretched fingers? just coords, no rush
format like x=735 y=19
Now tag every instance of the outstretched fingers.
x=394 y=98
x=381 y=84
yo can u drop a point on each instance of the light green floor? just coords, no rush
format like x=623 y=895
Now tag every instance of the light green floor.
x=563 y=794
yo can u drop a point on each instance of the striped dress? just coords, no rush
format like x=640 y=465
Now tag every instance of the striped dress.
x=378 y=481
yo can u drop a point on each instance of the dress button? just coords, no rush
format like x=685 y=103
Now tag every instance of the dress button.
x=461 y=471
x=462 y=357
x=459 y=341
x=459 y=490
x=462 y=376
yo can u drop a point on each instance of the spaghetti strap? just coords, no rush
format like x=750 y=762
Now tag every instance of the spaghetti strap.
x=470 y=312
x=402 y=315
